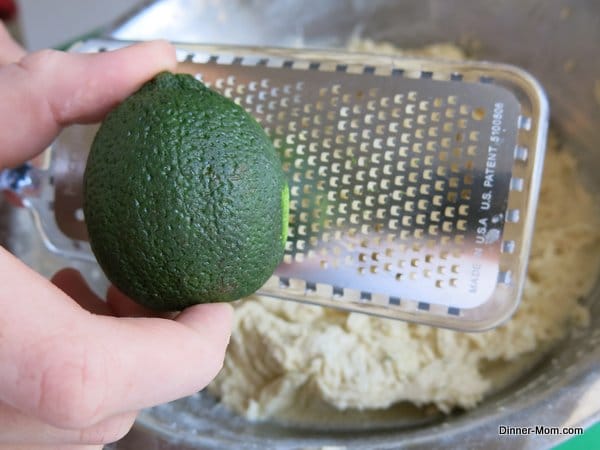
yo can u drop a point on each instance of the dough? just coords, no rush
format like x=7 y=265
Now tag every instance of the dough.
x=285 y=355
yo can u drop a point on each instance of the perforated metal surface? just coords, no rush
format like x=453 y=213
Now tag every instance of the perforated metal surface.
x=411 y=188
x=391 y=178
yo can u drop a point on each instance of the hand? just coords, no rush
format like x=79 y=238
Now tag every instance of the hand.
x=75 y=369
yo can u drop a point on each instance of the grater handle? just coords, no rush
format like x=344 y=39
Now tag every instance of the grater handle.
x=20 y=182
x=28 y=186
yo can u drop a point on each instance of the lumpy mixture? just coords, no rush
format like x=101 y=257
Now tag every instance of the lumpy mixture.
x=284 y=355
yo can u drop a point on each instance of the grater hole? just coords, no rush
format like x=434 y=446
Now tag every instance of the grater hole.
x=517 y=184
x=508 y=246
x=78 y=214
x=524 y=123
x=478 y=114
x=512 y=215
x=521 y=153
x=505 y=277
x=394 y=301
x=310 y=288
x=338 y=292
x=453 y=311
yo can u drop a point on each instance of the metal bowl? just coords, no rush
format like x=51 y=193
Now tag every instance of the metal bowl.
x=556 y=40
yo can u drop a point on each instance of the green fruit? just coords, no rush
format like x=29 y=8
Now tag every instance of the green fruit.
x=185 y=199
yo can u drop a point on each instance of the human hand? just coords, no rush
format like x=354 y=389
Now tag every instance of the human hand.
x=75 y=369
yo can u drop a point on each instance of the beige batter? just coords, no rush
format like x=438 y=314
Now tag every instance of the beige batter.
x=286 y=355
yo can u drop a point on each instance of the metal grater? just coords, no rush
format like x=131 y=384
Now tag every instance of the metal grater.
x=413 y=183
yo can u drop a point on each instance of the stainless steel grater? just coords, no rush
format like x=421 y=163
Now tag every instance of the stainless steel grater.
x=413 y=183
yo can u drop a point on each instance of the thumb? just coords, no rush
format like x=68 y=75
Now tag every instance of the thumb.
x=49 y=89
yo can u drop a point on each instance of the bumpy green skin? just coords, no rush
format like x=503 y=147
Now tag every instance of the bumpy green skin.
x=183 y=197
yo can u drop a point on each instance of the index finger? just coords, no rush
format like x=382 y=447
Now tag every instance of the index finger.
x=72 y=369
x=10 y=51
x=47 y=90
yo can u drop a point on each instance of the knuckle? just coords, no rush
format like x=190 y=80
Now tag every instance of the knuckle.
x=219 y=359
x=211 y=363
x=36 y=60
x=108 y=431
x=39 y=68
x=72 y=389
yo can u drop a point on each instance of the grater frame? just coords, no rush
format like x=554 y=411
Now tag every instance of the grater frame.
x=57 y=194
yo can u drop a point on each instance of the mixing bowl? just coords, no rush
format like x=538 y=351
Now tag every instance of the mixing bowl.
x=557 y=41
